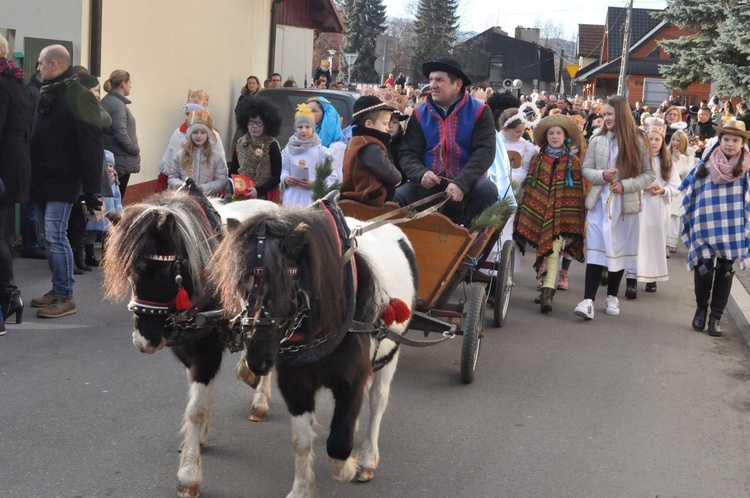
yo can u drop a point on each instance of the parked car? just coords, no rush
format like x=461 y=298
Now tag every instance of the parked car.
x=287 y=99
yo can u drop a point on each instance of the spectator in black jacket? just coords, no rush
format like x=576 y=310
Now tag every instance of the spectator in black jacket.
x=743 y=114
x=32 y=246
x=66 y=159
x=15 y=166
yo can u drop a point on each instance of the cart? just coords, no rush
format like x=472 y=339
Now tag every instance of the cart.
x=448 y=255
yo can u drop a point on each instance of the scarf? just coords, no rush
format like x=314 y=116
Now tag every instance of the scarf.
x=51 y=91
x=297 y=146
x=9 y=68
x=722 y=167
x=329 y=129
x=556 y=152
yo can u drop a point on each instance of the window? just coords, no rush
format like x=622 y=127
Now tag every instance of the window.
x=496 y=69
x=655 y=91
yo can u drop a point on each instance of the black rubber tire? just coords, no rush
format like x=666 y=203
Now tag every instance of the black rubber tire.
x=504 y=283
x=472 y=332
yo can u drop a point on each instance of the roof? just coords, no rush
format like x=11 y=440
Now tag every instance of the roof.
x=641 y=24
x=590 y=39
x=638 y=67
x=320 y=15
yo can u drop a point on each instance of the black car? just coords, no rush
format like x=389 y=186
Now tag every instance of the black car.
x=287 y=100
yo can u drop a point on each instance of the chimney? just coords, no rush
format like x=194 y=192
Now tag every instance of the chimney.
x=527 y=34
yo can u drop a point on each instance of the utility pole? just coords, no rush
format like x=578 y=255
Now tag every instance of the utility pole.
x=625 y=51
x=561 y=85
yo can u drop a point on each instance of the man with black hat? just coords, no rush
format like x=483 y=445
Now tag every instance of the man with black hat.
x=449 y=145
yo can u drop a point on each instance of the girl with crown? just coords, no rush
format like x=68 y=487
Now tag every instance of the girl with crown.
x=551 y=214
x=653 y=220
x=198 y=158
x=300 y=158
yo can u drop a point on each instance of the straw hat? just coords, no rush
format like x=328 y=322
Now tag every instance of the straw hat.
x=733 y=127
x=561 y=120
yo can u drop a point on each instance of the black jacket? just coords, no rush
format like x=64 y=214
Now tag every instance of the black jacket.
x=66 y=142
x=15 y=133
x=703 y=130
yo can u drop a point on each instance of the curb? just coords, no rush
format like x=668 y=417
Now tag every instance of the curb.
x=739 y=308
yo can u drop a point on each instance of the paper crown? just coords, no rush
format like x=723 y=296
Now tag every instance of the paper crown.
x=199 y=97
x=200 y=117
x=304 y=110
x=654 y=125
x=389 y=96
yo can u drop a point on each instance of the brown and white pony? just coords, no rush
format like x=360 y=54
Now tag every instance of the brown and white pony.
x=156 y=254
x=283 y=277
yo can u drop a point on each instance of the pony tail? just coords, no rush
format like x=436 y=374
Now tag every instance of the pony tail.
x=737 y=170
x=702 y=172
x=107 y=85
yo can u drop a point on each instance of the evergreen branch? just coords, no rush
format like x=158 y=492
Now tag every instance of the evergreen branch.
x=320 y=187
x=494 y=216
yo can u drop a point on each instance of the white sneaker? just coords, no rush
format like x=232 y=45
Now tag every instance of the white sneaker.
x=585 y=309
x=613 y=306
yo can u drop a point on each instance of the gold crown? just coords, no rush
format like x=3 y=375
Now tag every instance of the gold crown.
x=393 y=98
x=201 y=116
x=199 y=97
x=304 y=110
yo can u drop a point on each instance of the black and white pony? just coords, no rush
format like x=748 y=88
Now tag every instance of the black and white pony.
x=157 y=253
x=284 y=278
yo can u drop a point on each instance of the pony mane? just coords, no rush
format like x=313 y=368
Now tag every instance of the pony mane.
x=134 y=238
x=295 y=237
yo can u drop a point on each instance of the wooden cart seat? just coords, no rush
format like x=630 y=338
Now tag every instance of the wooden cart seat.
x=439 y=244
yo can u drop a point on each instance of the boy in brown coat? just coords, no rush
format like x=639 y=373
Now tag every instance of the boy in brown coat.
x=369 y=174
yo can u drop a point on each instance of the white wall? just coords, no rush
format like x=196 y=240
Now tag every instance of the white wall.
x=294 y=53
x=57 y=20
x=170 y=46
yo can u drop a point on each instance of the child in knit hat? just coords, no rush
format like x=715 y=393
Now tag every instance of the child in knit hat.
x=299 y=159
x=370 y=176
x=199 y=158
x=97 y=228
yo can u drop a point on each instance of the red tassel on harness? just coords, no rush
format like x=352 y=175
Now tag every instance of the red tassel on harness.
x=182 y=300
x=395 y=311
x=402 y=310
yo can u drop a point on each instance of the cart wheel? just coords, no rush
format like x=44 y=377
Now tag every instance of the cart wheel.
x=504 y=283
x=472 y=332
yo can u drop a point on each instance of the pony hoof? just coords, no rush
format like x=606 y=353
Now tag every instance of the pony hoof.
x=257 y=415
x=365 y=474
x=193 y=491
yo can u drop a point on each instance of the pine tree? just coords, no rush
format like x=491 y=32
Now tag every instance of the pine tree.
x=364 y=21
x=718 y=52
x=436 y=27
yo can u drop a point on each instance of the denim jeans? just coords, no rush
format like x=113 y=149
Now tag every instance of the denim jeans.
x=53 y=226
x=29 y=234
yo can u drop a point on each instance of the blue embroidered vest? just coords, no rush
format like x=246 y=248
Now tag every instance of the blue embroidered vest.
x=448 y=140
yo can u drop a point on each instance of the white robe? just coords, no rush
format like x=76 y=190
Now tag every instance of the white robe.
x=302 y=166
x=683 y=165
x=517 y=176
x=611 y=237
x=653 y=223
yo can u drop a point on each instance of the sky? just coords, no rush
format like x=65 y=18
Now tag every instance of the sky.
x=480 y=15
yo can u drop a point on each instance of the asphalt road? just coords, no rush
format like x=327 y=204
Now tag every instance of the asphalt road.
x=635 y=406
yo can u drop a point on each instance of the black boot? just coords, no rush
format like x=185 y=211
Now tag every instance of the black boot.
x=78 y=258
x=631 y=288
x=90 y=256
x=723 y=276
x=703 y=277
x=10 y=303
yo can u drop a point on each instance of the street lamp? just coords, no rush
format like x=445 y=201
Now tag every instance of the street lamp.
x=517 y=84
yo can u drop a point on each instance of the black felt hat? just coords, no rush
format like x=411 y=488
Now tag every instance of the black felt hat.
x=447 y=64
x=368 y=103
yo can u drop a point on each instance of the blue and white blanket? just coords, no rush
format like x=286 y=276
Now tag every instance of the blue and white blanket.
x=716 y=219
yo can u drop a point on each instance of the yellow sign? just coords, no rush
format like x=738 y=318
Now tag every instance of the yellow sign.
x=572 y=69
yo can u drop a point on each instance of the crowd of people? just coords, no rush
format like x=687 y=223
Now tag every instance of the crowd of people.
x=593 y=179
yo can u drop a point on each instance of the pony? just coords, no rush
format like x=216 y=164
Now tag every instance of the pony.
x=283 y=277
x=157 y=251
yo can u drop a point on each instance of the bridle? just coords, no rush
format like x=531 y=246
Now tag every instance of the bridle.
x=181 y=316
x=254 y=318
